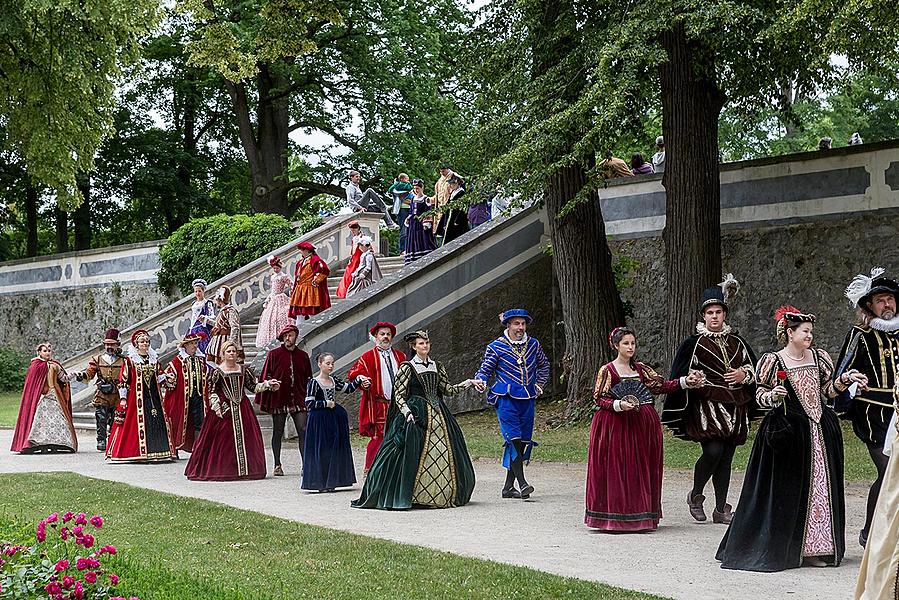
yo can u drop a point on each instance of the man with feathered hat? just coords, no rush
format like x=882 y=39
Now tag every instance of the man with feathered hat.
x=376 y=369
x=519 y=369
x=186 y=391
x=107 y=368
x=872 y=349
x=717 y=414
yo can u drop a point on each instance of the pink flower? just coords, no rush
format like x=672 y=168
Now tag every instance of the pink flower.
x=81 y=519
x=53 y=588
x=68 y=582
x=52 y=518
x=87 y=541
x=90 y=577
x=82 y=564
x=62 y=565
x=64 y=533
x=78 y=592
x=77 y=531
x=113 y=579
x=41 y=532
x=97 y=521
x=107 y=550
x=68 y=517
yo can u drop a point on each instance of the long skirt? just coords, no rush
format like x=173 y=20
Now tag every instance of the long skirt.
x=222 y=453
x=419 y=241
x=273 y=319
x=327 y=456
x=791 y=505
x=425 y=463
x=144 y=435
x=50 y=428
x=624 y=471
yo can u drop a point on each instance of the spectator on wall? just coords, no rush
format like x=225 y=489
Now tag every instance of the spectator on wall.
x=825 y=143
x=658 y=159
x=612 y=167
x=639 y=166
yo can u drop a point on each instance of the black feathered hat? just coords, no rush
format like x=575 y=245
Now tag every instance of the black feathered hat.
x=720 y=294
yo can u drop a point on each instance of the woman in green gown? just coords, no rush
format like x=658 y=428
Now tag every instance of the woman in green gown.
x=423 y=460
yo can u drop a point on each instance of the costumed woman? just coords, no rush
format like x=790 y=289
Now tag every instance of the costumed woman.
x=791 y=510
x=275 y=316
x=141 y=430
x=368 y=272
x=227 y=327
x=44 y=423
x=879 y=574
x=624 y=468
x=310 y=289
x=419 y=229
x=328 y=462
x=355 y=255
x=230 y=445
x=202 y=313
x=423 y=460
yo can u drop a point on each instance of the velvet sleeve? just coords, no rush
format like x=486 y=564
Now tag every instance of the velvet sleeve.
x=488 y=365
x=601 y=388
x=315 y=400
x=347 y=387
x=401 y=387
x=657 y=384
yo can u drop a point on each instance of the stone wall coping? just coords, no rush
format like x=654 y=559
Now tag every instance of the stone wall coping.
x=52 y=258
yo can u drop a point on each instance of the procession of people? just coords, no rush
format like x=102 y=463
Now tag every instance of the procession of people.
x=791 y=508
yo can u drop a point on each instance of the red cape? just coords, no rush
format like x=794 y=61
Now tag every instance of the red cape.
x=373 y=407
x=175 y=405
x=36 y=384
x=350 y=269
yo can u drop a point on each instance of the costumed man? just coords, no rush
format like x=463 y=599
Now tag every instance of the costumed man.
x=355 y=257
x=310 y=289
x=184 y=402
x=871 y=348
x=107 y=368
x=520 y=370
x=290 y=367
x=718 y=413
x=376 y=369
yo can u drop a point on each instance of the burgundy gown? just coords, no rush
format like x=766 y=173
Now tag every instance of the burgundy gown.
x=229 y=446
x=624 y=468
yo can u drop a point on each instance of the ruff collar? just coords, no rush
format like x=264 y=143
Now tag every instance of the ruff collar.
x=701 y=329
x=152 y=357
x=887 y=326
x=511 y=342
x=183 y=354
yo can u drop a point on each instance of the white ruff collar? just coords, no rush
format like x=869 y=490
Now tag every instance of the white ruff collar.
x=887 y=326
x=152 y=356
x=522 y=341
x=183 y=354
x=701 y=329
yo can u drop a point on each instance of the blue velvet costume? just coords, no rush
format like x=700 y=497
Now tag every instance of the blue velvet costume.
x=519 y=370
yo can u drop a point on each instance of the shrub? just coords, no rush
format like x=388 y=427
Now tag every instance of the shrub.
x=212 y=247
x=393 y=239
x=13 y=366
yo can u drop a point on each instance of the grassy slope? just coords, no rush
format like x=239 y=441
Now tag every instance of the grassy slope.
x=9 y=408
x=186 y=549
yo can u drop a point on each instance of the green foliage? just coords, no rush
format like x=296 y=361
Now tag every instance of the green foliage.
x=393 y=239
x=59 y=62
x=13 y=366
x=212 y=247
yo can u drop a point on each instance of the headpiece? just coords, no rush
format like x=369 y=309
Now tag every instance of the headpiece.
x=41 y=345
x=365 y=240
x=720 y=294
x=455 y=179
x=418 y=182
x=274 y=261
x=223 y=294
x=383 y=324
x=660 y=141
x=287 y=329
x=306 y=246
x=197 y=336
x=612 y=335
x=410 y=337
x=862 y=288
x=353 y=224
x=112 y=337
x=199 y=282
x=787 y=314
x=139 y=334
x=512 y=313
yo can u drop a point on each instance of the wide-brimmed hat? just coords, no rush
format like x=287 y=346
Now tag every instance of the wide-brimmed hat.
x=112 y=337
x=381 y=325
x=287 y=329
x=863 y=287
x=197 y=336
x=513 y=313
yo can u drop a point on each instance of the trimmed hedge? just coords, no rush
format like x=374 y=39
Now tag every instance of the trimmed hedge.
x=13 y=366
x=212 y=247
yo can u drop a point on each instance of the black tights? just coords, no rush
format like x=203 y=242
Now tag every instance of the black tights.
x=278 y=422
x=880 y=463
x=715 y=464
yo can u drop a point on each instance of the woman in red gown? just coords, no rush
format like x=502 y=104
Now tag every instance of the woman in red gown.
x=230 y=443
x=355 y=257
x=141 y=431
x=45 y=415
x=624 y=469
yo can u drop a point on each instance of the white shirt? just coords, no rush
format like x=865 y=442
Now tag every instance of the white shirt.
x=658 y=161
x=386 y=382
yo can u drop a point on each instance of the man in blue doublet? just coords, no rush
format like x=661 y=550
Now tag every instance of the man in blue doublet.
x=519 y=370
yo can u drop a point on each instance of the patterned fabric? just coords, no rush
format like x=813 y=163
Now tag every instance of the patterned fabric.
x=229 y=391
x=227 y=327
x=366 y=274
x=275 y=317
x=519 y=369
x=50 y=426
x=818 y=527
x=108 y=370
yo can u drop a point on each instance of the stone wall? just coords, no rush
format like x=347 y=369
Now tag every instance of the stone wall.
x=76 y=318
x=807 y=265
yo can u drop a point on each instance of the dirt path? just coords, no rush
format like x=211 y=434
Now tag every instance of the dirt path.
x=545 y=533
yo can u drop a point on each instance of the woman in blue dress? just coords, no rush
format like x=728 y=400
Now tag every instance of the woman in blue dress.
x=419 y=230
x=202 y=313
x=328 y=462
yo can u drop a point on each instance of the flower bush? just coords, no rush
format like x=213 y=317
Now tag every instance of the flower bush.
x=64 y=563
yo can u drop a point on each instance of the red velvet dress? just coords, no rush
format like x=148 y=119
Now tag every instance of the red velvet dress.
x=355 y=257
x=144 y=435
x=186 y=379
x=293 y=369
x=624 y=468
x=375 y=400
x=229 y=446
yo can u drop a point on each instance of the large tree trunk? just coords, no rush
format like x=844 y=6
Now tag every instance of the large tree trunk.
x=62 y=230
x=265 y=142
x=691 y=103
x=31 y=198
x=82 y=215
x=582 y=260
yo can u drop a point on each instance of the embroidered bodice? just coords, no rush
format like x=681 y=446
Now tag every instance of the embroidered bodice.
x=809 y=383
x=281 y=284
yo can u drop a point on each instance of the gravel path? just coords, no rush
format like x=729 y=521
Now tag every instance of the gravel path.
x=545 y=533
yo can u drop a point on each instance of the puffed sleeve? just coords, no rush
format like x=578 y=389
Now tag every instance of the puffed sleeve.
x=830 y=387
x=601 y=388
x=657 y=384
x=401 y=387
x=766 y=373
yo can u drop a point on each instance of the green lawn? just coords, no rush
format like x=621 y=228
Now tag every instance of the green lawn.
x=569 y=443
x=9 y=408
x=185 y=549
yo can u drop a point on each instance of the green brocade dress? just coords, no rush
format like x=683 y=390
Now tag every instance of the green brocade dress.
x=424 y=463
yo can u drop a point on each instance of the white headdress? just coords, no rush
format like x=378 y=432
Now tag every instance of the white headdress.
x=860 y=286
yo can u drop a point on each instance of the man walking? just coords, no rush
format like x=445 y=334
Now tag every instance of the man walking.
x=107 y=368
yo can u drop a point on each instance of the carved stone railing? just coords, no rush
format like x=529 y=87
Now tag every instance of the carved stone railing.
x=249 y=288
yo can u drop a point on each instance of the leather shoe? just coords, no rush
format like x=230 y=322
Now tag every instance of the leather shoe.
x=278 y=472
x=526 y=491
x=695 y=504
x=863 y=538
x=723 y=517
x=511 y=493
